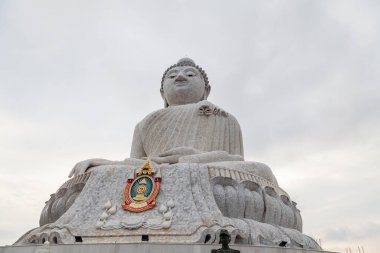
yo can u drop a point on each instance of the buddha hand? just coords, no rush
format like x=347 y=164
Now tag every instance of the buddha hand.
x=172 y=155
x=83 y=166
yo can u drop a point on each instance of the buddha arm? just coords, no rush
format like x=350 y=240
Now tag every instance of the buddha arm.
x=84 y=166
x=191 y=155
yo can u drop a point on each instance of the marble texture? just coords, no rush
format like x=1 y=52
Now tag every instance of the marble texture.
x=187 y=126
x=206 y=199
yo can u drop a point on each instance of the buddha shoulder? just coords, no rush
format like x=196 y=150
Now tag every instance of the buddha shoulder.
x=203 y=108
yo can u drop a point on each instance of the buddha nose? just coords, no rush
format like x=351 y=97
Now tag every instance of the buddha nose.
x=180 y=77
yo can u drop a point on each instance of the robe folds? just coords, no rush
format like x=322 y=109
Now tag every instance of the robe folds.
x=202 y=126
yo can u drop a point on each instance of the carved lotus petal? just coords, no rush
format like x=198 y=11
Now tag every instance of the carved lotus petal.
x=168 y=215
x=104 y=216
x=112 y=210
x=107 y=205
x=163 y=209
x=170 y=203
x=166 y=224
x=99 y=224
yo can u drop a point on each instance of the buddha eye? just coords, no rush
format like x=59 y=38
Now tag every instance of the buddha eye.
x=190 y=73
x=172 y=75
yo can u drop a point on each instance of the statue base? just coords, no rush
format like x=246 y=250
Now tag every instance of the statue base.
x=194 y=203
x=145 y=248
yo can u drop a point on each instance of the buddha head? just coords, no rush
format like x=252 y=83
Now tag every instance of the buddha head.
x=184 y=83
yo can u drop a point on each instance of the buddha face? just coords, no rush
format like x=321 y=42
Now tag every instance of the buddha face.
x=184 y=85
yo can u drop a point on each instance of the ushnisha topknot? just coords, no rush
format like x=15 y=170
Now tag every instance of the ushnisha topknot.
x=186 y=62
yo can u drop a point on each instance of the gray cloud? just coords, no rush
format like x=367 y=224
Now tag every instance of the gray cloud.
x=366 y=231
x=301 y=77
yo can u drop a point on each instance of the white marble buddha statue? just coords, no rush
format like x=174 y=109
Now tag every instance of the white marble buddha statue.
x=189 y=124
x=188 y=129
x=197 y=151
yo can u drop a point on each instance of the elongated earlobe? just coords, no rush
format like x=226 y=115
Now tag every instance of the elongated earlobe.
x=207 y=92
x=163 y=97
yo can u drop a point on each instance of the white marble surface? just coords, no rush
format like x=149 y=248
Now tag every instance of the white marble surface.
x=196 y=216
x=146 y=248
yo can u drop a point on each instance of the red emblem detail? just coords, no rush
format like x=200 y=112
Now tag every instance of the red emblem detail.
x=141 y=190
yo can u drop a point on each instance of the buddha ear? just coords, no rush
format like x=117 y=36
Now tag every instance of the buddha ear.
x=207 y=92
x=163 y=97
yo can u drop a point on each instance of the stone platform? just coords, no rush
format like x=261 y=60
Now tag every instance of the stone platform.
x=195 y=202
x=145 y=248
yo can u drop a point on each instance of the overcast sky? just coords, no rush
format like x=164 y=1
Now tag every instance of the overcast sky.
x=302 y=78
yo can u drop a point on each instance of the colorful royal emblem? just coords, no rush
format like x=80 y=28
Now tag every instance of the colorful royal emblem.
x=142 y=189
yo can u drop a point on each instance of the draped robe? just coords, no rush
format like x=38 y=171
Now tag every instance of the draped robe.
x=201 y=126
